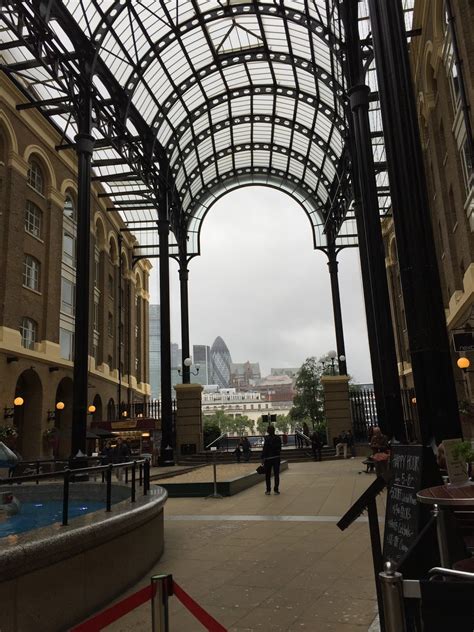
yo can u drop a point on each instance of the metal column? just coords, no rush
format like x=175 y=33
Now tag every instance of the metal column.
x=426 y=323
x=336 y=306
x=84 y=149
x=183 y=286
x=165 y=336
x=372 y=254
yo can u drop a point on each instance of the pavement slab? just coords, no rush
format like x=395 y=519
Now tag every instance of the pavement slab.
x=271 y=563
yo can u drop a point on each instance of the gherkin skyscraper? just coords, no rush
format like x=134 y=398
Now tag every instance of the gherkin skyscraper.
x=220 y=363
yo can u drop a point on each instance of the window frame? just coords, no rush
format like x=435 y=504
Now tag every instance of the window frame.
x=35 y=176
x=28 y=342
x=32 y=213
x=31 y=271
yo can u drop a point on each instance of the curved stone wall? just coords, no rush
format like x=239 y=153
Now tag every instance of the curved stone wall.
x=53 y=577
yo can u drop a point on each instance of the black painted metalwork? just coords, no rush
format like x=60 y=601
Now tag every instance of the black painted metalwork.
x=336 y=305
x=381 y=337
x=84 y=149
x=429 y=346
x=183 y=285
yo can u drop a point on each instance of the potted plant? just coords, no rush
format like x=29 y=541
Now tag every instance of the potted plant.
x=8 y=435
x=466 y=451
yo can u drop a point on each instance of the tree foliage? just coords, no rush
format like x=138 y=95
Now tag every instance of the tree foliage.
x=228 y=423
x=308 y=400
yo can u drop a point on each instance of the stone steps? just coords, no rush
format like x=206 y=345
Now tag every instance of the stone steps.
x=297 y=455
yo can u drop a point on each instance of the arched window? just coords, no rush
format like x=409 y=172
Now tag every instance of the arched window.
x=33 y=219
x=70 y=209
x=31 y=273
x=35 y=176
x=29 y=333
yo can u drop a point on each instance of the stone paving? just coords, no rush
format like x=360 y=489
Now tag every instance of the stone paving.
x=271 y=563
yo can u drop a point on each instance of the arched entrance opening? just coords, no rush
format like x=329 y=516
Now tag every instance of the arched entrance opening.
x=27 y=418
x=97 y=402
x=63 y=419
x=111 y=410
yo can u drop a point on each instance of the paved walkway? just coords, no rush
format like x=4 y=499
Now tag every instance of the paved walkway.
x=271 y=563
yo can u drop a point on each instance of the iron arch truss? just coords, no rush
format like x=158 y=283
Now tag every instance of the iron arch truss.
x=188 y=95
x=193 y=93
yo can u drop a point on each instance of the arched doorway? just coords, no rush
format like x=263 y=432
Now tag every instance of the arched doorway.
x=97 y=414
x=63 y=419
x=27 y=418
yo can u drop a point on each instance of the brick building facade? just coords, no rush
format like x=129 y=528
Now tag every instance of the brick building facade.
x=38 y=194
x=450 y=182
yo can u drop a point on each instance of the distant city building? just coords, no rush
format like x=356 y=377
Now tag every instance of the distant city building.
x=289 y=371
x=244 y=375
x=276 y=388
x=235 y=403
x=155 y=352
x=220 y=363
x=202 y=356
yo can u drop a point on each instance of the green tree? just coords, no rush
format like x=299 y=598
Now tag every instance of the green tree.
x=228 y=423
x=210 y=432
x=308 y=400
x=262 y=425
x=282 y=423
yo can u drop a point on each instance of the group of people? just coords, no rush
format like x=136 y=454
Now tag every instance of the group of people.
x=120 y=453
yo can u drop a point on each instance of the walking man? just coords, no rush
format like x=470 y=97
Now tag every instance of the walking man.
x=271 y=460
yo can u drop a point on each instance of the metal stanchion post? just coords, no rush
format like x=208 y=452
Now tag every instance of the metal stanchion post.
x=67 y=475
x=109 y=489
x=134 y=480
x=161 y=589
x=393 y=605
x=214 y=468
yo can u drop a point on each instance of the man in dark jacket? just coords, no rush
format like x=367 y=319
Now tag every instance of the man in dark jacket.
x=271 y=459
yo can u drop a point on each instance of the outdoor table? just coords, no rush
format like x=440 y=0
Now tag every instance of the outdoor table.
x=447 y=497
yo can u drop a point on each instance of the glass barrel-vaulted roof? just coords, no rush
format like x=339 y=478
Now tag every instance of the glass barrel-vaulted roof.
x=223 y=93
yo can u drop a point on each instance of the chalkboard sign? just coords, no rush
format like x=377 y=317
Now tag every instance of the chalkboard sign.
x=402 y=515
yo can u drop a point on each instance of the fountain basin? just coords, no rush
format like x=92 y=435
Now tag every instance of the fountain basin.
x=53 y=577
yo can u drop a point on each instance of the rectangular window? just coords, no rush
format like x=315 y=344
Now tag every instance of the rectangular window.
x=69 y=249
x=111 y=286
x=66 y=343
x=110 y=324
x=29 y=333
x=96 y=317
x=67 y=296
x=31 y=273
x=33 y=217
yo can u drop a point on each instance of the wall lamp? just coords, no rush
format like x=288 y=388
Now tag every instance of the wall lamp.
x=188 y=363
x=52 y=413
x=91 y=409
x=464 y=364
x=12 y=359
x=9 y=412
x=52 y=369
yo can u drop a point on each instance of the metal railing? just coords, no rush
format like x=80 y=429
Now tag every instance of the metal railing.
x=222 y=436
x=136 y=410
x=142 y=467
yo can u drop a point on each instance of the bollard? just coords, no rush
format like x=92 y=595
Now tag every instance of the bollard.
x=161 y=589
x=214 y=469
x=393 y=605
x=37 y=471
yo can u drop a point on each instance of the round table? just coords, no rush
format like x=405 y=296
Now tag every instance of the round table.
x=446 y=497
x=461 y=495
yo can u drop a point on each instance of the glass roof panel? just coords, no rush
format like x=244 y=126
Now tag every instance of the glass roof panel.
x=223 y=86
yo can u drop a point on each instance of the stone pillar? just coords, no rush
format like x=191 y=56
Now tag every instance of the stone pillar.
x=188 y=416
x=337 y=405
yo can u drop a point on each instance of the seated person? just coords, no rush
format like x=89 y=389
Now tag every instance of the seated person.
x=379 y=442
x=342 y=444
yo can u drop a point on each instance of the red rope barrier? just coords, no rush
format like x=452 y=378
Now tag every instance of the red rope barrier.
x=195 y=609
x=120 y=609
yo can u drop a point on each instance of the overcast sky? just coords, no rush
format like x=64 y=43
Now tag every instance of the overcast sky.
x=261 y=286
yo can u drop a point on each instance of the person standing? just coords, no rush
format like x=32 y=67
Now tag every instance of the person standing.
x=246 y=448
x=316 y=445
x=271 y=460
x=122 y=454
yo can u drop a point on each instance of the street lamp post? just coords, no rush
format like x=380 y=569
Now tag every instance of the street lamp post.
x=331 y=361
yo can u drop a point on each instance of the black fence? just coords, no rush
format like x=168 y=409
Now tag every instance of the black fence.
x=364 y=414
x=136 y=410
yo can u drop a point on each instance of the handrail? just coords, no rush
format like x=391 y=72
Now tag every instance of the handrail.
x=218 y=439
x=302 y=434
x=450 y=572
x=68 y=473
